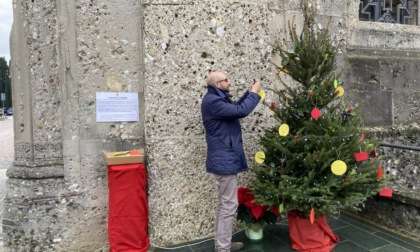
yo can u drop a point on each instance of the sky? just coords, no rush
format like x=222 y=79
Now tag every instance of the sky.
x=6 y=20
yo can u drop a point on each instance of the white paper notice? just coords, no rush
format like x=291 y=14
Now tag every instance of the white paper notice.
x=117 y=107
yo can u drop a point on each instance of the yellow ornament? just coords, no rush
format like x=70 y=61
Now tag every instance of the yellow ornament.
x=262 y=94
x=339 y=91
x=338 y=167
x=259 y=157
x=284 y=130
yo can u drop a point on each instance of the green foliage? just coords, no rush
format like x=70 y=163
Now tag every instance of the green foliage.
x=297 y=168
x=5 y=83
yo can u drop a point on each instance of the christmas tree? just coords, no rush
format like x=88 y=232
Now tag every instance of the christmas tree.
x=316 y=160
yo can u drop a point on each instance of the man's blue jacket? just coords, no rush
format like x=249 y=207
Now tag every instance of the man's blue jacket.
x=225 y=153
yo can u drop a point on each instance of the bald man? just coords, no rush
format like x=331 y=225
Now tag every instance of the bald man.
x=225 y=153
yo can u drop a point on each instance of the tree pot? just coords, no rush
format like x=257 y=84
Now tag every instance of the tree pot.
x=306 y=236
x=254 y=231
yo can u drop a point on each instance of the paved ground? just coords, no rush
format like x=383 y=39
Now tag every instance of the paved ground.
x=6 y=141
x=6 y=158
x=355 y=235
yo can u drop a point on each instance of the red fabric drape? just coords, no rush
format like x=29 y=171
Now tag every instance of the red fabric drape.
x=307 y=237
x=128 y=212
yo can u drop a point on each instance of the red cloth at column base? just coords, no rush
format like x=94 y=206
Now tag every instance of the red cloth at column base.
x=128 y=212
x=307 y=237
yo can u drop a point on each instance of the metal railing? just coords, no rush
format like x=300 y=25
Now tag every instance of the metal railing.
x=390 y=11
x=400 y=146
x=401 y=164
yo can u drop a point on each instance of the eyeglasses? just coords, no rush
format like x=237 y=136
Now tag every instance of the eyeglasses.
x=223 y=80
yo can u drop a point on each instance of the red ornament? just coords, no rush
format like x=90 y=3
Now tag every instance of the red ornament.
x=312 y=216
x=282 y=170
x=350 y=110
x=296 y=137
x=362 y=137
x=386 y=192
x=372 y=154
x=316 y=113
x=345 y=180
x=272 y=105
x=361 y=156
x=380 y=172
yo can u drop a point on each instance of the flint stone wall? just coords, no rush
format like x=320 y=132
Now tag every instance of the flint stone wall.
x=400 y=213
x=63 y=52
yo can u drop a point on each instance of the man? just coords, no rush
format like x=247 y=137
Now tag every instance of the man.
x=225 y=153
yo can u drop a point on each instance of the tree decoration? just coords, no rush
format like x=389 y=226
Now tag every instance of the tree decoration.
x=361 y=156
x=284 y=130
x=312 y=216
x=259 y=157
x=281 y=208
x=386 y=192
x=316 y=113
x=283 y=70
x=372 y=154
x=318 y=170
x=338 y=167
x=272 y=105
x=339 y=91
x=261 y=93
x=380 y=172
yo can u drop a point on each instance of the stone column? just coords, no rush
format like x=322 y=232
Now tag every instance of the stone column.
x=63 y=52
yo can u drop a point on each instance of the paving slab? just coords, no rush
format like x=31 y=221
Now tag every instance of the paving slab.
x=6 y=157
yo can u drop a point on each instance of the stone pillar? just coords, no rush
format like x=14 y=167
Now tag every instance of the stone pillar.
x=63 y=52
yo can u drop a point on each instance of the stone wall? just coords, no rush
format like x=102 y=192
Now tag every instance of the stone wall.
x=183 y=42
x=400 y=213
x=63 y=52
x=386 y=83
